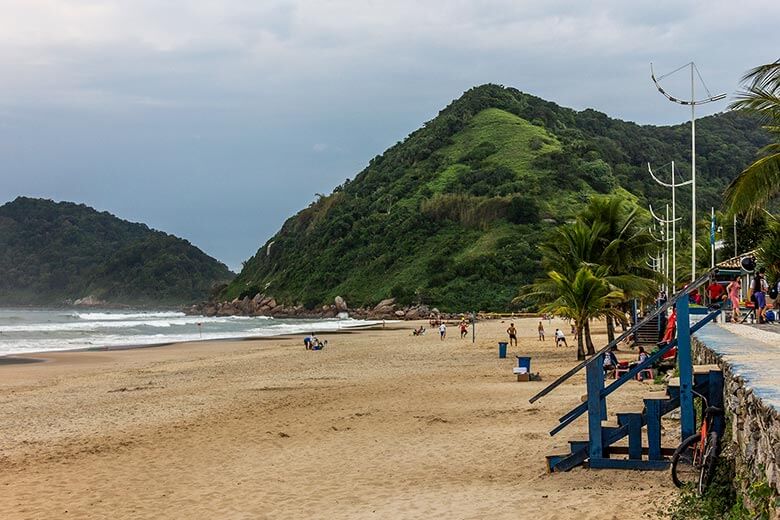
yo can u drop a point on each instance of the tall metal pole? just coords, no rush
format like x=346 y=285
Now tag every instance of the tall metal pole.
x=693 y=102
x=693 y=180
x=665 y=236
x=666 y=260
x=712 y=238
x=735 y=236
x=674 y=234
x=673 y=185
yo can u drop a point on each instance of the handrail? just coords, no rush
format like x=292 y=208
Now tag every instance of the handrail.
x=684 y=292
x=567 y=419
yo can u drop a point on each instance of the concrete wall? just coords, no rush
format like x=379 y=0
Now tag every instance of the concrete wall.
x=755 y=426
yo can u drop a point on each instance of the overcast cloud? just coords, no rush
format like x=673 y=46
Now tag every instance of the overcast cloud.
x=215 y=121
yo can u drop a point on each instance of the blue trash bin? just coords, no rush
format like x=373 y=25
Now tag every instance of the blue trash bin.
x=501 y=349
x=524 y=362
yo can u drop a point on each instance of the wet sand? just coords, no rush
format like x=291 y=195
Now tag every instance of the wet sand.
x=380 y=424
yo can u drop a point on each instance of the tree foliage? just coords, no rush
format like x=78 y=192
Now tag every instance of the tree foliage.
x=453 y=214
x=757 y=184
x=57 y=251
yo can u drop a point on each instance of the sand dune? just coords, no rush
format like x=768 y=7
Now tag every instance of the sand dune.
x=379 y=425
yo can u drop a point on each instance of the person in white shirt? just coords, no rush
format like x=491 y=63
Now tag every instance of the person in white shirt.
x=443 y=331
x=560 y=338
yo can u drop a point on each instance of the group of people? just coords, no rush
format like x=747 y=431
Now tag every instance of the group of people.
x=560 y=337
x=463 y=327
x=760 y=294
x=313 y=343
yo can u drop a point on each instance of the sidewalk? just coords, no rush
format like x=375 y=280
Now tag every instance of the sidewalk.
x=753 y=351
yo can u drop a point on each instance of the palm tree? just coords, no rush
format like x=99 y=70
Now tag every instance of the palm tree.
x=608 y=233
x=760 y=181
x=584 y=296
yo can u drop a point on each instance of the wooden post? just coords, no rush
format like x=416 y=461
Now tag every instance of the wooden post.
x=597 y=409
x=653 y=415
x=687 y=419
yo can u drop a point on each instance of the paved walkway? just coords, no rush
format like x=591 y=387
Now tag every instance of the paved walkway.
x=753 y=351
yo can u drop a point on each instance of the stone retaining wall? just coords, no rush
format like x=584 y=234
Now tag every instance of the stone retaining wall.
x=755 y=427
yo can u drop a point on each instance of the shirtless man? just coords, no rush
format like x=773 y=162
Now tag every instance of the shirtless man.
x=512 y=331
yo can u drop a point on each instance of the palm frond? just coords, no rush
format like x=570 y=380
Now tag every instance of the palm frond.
x=752 y=188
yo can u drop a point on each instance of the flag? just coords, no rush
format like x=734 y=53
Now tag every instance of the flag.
x=712 y=230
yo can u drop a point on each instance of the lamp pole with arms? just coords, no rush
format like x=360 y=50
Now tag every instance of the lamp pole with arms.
x=692 y=102
x=674 y=184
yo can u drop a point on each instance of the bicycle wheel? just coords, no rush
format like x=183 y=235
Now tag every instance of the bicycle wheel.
x=708 y=461
x=686 y=462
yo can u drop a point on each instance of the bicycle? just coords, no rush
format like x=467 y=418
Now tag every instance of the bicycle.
x=693 y=462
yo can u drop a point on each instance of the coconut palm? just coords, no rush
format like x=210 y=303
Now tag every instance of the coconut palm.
x=584 y=296
x=760 y=181
x=608 y=233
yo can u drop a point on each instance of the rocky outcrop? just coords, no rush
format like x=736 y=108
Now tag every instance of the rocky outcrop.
x=265 y=305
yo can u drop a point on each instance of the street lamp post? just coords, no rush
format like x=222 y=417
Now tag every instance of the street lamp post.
x=665 y=222
x=673 y=185
x=692 y=102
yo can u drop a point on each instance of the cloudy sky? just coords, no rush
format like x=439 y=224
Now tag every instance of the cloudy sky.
x=215 y=121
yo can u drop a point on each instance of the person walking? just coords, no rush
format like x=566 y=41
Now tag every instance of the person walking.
x=541 y=331
x=512 y=331
x=733 y=292
x=761 y=298
x=442 y=331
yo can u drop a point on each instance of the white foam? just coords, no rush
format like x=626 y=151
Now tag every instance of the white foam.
x=42 y=331
x=108 y=316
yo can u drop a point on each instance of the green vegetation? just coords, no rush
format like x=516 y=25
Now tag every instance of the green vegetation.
x=730 y=496
x=594 y=266
x=759 y=182
x=452 y=216
x=54 y=252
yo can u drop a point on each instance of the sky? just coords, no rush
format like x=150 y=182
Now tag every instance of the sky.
x=216 y=121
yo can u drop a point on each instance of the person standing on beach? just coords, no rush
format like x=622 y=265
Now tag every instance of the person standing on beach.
x=541 y=331
x=464 y=329
x=442 y=331
x=560 y=337
x=512 y=331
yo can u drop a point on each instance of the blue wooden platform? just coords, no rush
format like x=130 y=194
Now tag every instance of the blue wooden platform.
x=599 y=450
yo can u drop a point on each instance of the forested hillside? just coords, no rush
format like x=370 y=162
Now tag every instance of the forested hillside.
x=452 y=215
x=52 y=252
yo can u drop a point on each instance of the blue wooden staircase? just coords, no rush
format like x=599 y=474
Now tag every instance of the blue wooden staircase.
x=641 y=426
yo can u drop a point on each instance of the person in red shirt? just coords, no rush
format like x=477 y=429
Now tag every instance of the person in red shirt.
x=716 y=292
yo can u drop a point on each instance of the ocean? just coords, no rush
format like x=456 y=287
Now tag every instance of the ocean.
x=23 y=331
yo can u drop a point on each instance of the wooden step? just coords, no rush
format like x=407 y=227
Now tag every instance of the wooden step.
x=705 y=369
x=656 y=395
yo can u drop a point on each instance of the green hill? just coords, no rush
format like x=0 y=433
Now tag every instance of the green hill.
x=52 y=252
x=452 y=215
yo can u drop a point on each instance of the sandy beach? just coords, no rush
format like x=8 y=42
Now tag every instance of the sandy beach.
x=380 y=424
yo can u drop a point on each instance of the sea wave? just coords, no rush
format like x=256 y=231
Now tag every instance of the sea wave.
x=116 y=316
x=44 y=335
x=87 y=326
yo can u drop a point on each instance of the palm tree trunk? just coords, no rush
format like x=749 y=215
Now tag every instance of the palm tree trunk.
x=610 y=329
x=580 y=346
x=588 y=340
